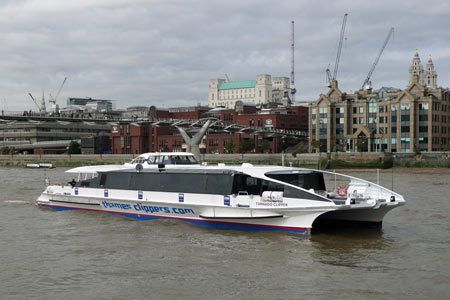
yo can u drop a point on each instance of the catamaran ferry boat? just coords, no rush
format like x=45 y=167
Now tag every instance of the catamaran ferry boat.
x=245 y=197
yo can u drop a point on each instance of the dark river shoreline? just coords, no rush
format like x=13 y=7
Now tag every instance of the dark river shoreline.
x=92 y=255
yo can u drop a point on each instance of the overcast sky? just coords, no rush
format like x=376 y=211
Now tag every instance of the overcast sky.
x=143 y=52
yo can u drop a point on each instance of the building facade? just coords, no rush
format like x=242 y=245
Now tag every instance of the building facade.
x=53 y=136
x=265 y=89
x=139 y=137
x=393 y=120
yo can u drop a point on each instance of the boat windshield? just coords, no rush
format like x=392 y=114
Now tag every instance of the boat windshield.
x=307 y=180
x=138 y=160
x=180 y=159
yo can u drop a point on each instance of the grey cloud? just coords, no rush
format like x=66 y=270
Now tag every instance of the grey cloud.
x=165 y=52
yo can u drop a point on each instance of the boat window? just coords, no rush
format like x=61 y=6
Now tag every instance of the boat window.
x=180 y=160
x=167 y=160
x=312 y=180
x=291 y=192
x=272 y=186
x=192 y=159
x=118 y=181
x=103 y=179
x=246 y=184
x=91 y=182
x=219 y=184
x=159 y=159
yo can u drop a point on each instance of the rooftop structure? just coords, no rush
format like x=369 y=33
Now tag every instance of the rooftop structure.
x=265 y=89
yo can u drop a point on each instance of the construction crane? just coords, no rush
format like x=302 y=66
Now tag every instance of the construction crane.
x=367 y=85
x=328 y=79
x=293 y=90
x=228 y=79
x=338 y=55
x=35 y=102
x=53 y=100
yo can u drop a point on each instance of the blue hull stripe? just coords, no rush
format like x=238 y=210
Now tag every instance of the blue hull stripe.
x=206 y=223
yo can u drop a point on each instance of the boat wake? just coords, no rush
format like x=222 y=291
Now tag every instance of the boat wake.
x=17 y=201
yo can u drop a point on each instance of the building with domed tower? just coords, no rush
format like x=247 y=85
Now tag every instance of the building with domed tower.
x=384 y=120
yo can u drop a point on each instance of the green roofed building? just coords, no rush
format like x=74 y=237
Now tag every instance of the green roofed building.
x=265 y=89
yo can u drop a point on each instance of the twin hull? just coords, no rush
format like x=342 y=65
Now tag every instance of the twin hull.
x=217 y=211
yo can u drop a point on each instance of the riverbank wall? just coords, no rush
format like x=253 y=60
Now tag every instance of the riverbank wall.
x=333 y=160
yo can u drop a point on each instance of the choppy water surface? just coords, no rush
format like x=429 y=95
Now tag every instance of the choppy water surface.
x=92 y=255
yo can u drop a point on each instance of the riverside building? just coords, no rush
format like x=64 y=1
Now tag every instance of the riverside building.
x=264 y=90
x=389 y=119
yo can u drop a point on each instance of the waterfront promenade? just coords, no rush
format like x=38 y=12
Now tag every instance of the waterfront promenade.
x=333 y=160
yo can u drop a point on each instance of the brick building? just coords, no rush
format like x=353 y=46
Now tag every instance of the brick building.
x=135 y=138
x=393 y=120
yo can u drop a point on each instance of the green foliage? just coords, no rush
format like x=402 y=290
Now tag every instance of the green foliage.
x=5 y=150
x=246 y=145
x=230 y=146
x=265 y=145
x=300 y=149
x=316 y=144
x=417 y=150
x=74 y=148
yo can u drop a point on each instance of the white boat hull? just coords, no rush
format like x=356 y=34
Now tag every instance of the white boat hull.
x=292 y=219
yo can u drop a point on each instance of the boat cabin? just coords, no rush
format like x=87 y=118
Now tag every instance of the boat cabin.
x=209 y=181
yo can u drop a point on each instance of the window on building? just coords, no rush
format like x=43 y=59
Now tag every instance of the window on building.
x=361 y=109
x=405 y=106
x=394 y=107
x=423 y=106
x=372 y=105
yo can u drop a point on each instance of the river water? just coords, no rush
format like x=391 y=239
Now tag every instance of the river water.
x=92 y=255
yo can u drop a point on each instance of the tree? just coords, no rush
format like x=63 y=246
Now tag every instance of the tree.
x=74 y=148
x=5 y=150
x=230 y=146
x=246 y=145
x=316 y=144
x=265 y=145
